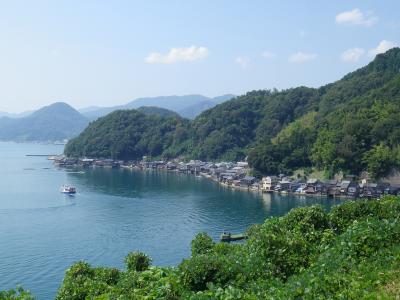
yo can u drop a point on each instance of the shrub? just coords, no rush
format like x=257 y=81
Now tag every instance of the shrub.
x=137 y=261
x=202 y=244
x=18 y=294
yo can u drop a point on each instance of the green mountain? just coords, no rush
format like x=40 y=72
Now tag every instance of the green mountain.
x=130 y=134
x=157 y=111
x=55 y=122
x=349 y=125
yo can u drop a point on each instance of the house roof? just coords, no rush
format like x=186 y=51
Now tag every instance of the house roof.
x=312 y=180
x=345 y=184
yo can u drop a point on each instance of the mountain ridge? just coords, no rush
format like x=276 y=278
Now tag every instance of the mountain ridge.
x=248 y=124
x=188 y=106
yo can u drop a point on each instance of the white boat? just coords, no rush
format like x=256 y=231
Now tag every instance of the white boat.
x=66 y=189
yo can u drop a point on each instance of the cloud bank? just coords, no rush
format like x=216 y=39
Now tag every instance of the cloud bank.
x=176 y=55
x=382 y=47
x=352 y=55
x=242 y=61
x=356 y=17
x=301 y=57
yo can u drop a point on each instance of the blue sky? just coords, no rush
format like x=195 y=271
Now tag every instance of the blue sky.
x=110 y=52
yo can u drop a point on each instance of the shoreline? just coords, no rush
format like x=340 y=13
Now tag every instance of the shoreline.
x=220 y=183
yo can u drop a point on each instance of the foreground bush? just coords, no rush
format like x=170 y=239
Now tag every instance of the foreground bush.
x=353 y=252
x=137 y=261
x=18 y=294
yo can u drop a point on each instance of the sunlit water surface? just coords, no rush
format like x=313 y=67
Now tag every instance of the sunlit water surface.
x=42 y=232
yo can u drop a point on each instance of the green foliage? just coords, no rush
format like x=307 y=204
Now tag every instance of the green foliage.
x=137 y=261
x=353 y=252
x=202 y=244
x=379 y=161
x=18 y=294
x=130 y=134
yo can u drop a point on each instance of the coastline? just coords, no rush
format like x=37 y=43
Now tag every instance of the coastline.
x=249 y=189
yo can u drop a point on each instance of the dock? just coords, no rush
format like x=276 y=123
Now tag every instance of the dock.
x=41 y=155
x=228 y=237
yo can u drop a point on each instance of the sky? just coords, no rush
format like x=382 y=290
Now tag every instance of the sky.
x=104 y=53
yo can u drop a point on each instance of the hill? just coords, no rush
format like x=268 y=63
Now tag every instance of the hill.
x=55 y=122
x=194 y=110
x=130 y=134
x=157 y=111
x=187 y=106
x=349 y=125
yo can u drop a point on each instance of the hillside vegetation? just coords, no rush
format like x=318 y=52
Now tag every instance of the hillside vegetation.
x=349 y=125
x=130 y=134
x=353 y=252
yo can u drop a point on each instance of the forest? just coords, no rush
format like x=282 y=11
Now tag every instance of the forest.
x=350 y=125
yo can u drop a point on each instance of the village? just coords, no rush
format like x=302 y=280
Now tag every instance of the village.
x=236 y=175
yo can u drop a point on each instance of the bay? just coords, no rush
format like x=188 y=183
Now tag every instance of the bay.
x=43 y=232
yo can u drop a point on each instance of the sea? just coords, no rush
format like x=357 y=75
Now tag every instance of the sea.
x=115 y=211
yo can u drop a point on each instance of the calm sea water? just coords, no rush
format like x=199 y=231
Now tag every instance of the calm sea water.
x=43 y=232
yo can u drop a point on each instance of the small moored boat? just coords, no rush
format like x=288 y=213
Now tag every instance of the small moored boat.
x=228 y=237
x=66 y=189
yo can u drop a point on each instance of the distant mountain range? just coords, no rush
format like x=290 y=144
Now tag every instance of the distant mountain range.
x=15 y=116
x=55 y=122
x=60 y=121
x=187 y=106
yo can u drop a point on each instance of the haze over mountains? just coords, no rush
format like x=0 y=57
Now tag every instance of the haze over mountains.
x=55 y=122
x=187 y=106
x=60 y=121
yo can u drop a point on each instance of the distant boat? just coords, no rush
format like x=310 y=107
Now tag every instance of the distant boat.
x=69 y=190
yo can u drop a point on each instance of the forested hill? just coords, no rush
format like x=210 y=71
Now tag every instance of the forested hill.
x=352 y=124
x=157 y=111
x=130 y=134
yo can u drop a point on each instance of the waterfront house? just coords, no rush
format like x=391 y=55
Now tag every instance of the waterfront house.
x=344 y=185
x=283 y=186
x=301 y=189
x=333 y=188
x=369 y=190
x=353 y=189
x=171 y=166
x=247 y=181
x=313 y=186
x=392 y=190
x=269 y=183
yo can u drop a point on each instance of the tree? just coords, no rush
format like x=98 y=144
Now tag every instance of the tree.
x=202 y=244
x=379 y=161
x=137 y=261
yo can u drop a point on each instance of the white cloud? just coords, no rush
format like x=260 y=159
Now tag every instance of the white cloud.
x=356 y=17
x=301 y=57
x=175 y=55
x=381 y=48
x=242 y=61
x=352 y=55
x=268 y=55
